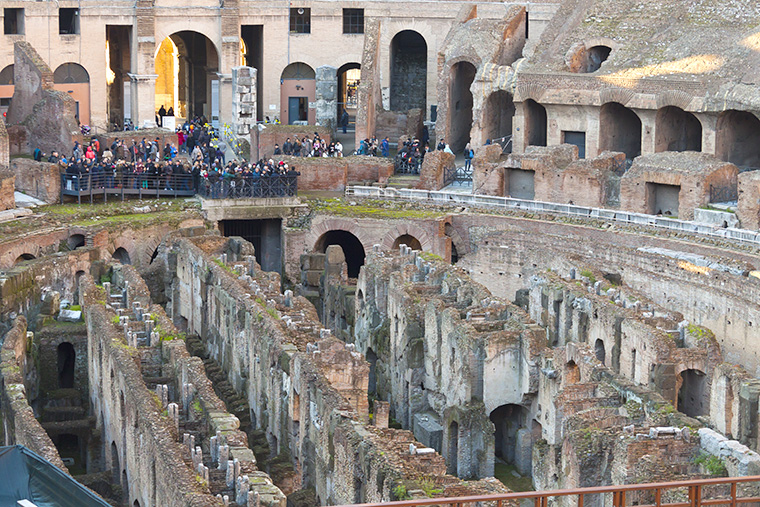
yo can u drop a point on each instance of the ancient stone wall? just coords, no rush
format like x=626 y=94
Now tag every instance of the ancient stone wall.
x=434 y=168
x=38 y=179
x=749 y=204
x=333 y=174
x=305 y=389
x=7 y=189
x=16 y=373
x=48 y=115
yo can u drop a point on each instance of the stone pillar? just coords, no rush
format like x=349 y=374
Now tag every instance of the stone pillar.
x=709 y=132
x=243 y=100
x=225 y=98
x=327 y=96
x=518 y=128
x=4 y=149
x=143 y=100
x=648 y=120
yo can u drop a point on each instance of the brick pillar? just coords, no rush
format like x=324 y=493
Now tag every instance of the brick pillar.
x=143 y=90
x=4 y=148
x=382 y=414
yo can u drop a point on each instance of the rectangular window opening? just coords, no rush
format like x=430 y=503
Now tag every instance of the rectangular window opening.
x=353 y=20
x=68 y=20
x=300 y=20
x=576 y=138
x=13 y=21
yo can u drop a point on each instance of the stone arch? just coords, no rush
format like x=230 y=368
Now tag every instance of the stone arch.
x=508 y=420
x=460 y=102
x=75 y=241
x=737 y=135
x=321 y=228
x=24 y=257
x=408 y=240
x=536 y=123
x=121 y=255
x=620 y=130
x=115 y=466
x=587 y=58
x=599 y=350
x=149 y=251
x=677 y=130
x=354 y=252
x=348 y=87
x=70 y=73
x=498 y=114
x=408 y=70
x=406 y=229
x=185 y=63
x=459 y=246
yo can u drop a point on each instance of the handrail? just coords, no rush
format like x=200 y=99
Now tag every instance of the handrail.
x=509 y=203
x=126 y=183
x=696 y=497
x=276 y=185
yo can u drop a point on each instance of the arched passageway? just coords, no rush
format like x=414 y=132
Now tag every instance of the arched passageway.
x=75 y=241
x=498 y=115
x=408 y=240
x=619 y=130
x=599 y=351
x=121 y=255
x=737 y=138
x=24 y=257
x=693 y=396
x=298 y=87
x=186 y=66
x=535 y=123
x=352 y=249
x=677 y=130
x=408 y=71
x=452 y=455
x=460 y=104
x=349 y=78
x=66 y=361
x=74 y=79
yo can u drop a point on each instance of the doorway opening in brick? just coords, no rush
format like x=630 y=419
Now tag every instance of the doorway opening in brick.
x=693 y=397
x=408 y=71
x=352 y=249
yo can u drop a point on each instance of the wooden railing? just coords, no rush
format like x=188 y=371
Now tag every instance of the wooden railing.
x=730 y=491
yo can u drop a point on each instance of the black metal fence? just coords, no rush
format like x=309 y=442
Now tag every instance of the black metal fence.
x=458 y=175
x=264 y=186
x=406 y=166
x=724 y=194
x=120 y=185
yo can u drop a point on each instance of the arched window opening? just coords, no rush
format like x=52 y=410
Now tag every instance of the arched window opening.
x=737 y=139
x=24 y=257
x=677 y=130
x=121 y=255
x=66 y=362
x=599 y=351
x=408 y=240
x=498 y=116
x=75 y=241
x=693 y=396
x=460 y=104
x=535 y=123
x=620 y=130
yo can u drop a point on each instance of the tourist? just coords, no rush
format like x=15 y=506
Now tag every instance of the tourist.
x=468 y=156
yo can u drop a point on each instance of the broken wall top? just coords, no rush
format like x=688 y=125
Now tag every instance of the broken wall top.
x=688 y=163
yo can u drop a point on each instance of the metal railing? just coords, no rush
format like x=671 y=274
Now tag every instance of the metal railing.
x=404 y=166
x=732 y=492
x=265 y=186
x=458 y=175
x=124 y=184
x=509 y=203
x=724 y=193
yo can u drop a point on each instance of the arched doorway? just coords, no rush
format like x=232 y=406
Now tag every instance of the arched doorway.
x=6 y=89
x=352 y=249
x=619 y=130
x=599 y=351
x=507 y=419
x=73 y=79
x=452 y=457
x=737 y=138
x=298 y=87
x=677 y=130
x=497 y=117
x=408 y=240
x=460 y=104
x=121 y=255
x=75 y=241
x=572 y=373
x=118 y=65
x=349 y=78
x=535 y=123
x=66 y=361
x=186 y=66
x=408 y=71
x=115 y=468
x=693 y=396
x=24 y=257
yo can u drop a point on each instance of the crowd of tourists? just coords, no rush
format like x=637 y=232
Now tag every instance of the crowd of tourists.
x=305 y=147
x=147 y=165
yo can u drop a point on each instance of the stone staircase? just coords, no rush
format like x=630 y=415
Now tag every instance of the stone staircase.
x=404 y=180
